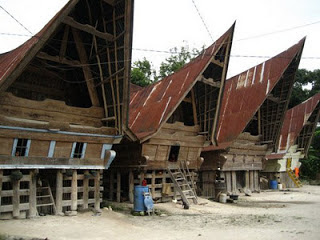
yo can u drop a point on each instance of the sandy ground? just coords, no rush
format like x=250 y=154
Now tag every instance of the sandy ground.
x=291 y=214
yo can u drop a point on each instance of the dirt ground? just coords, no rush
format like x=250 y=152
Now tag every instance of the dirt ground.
x=293 y=214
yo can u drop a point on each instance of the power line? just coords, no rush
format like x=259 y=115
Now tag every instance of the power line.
x=205 y=25
x=16 y=20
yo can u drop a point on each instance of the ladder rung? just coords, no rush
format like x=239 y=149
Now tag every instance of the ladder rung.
x=189 y=197
x=45 y=204
x=179 y=179
x=44 y=196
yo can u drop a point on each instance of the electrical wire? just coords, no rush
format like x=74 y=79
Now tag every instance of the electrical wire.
x=205 y=25
x=16 y=20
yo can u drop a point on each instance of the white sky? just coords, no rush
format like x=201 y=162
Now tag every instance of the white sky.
x=164 y=24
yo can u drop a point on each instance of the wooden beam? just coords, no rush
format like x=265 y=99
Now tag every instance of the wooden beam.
x=97 y=192
x=110 y=2
x=59 y=192
x=85 y=190
x=87 y=28
x=33 y=194
x=211 y=82
x=16 y=198
x=131 y=186
x=64 y=42
x=220 y=64
x=273 y=99
x=86 y=69
x=74 y=191
x=58 y=59
x=194 y=108
x=118 y=186
x=111 y=186
x=187 y=100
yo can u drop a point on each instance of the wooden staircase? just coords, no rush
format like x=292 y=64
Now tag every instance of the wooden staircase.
x=184 y=184
x=292 y=175
x=45 y=199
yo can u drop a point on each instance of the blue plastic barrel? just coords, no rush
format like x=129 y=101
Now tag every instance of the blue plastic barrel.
x=273 y=184
x=138 y=204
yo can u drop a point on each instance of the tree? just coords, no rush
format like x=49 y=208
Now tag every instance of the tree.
x=301 y=88
x=142 y=74
x=177 y=60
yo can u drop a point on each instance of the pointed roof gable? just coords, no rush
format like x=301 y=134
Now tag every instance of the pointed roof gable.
x=82 y=35
x=303 y=115
x=13 y=63
x=151 y=106
x=245 y=93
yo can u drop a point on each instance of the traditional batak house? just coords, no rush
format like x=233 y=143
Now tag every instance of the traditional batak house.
x=250 y=120
x=170 y=121
x=295 y=140
x=63 y=104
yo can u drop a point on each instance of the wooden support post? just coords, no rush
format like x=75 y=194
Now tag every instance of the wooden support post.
x=141 y=177
x=111 y=187
x=33 y=194
x=85 y=190
x=247 y=181
x=86 y=69
x=228 y=181
x=74 y=191
x=256 y=181
x=97 y=192
x=131 y=186
x=16 y=198
x=234 y=182
x=153 y=183
x=59 y=192
x=1 y=176
x=251 y=180
x=118 y=186
x=194 y=108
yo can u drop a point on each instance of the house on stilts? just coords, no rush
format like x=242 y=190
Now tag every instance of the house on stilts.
x=294 y=143
x=63 y=104
x=251 y=115
x=170 y=122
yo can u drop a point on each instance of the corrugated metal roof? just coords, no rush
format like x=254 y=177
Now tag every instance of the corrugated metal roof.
x=296 y=118
x=152 y=106
x=9 y=61
x=246 y=92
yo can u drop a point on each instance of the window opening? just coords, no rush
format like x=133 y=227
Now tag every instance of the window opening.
x=174 y=153
x=21 y=147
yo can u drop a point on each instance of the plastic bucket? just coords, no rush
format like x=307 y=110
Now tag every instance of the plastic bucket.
x=273 y=184
x=138 y=204
x=223 y=198
x=280 y=186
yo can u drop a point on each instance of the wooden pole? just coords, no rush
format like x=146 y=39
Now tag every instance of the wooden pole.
x=131 y=186
x=111 y=185
x=247 y=181
x=97 y=192
x=153 y=183
x=228 y=181
x=234 y=182
x=118 y=186
x=59 y=192
x=16 y=198
x=33 y=194
x=251 y=180
x=85 y=190
x=74 y=191
x=1 y=176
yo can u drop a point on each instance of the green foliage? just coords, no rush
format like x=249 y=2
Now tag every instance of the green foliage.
x=142 y=74
x=176 y=61
x=305 y=78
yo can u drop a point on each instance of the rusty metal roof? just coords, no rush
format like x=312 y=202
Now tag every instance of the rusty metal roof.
x=151 y=106
x=245 y=93
x=296 y=118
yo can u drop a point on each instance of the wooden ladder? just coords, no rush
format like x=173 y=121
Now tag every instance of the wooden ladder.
x=182 y=185
x=292 y=175
x=294 y=178
x=44 y=197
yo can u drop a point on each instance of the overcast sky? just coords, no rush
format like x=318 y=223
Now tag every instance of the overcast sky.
x=161 y=25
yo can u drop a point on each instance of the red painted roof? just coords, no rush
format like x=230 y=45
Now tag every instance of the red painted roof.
x=10 y=60
x=246 y=92
x=152 y=106
x=296 y=118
